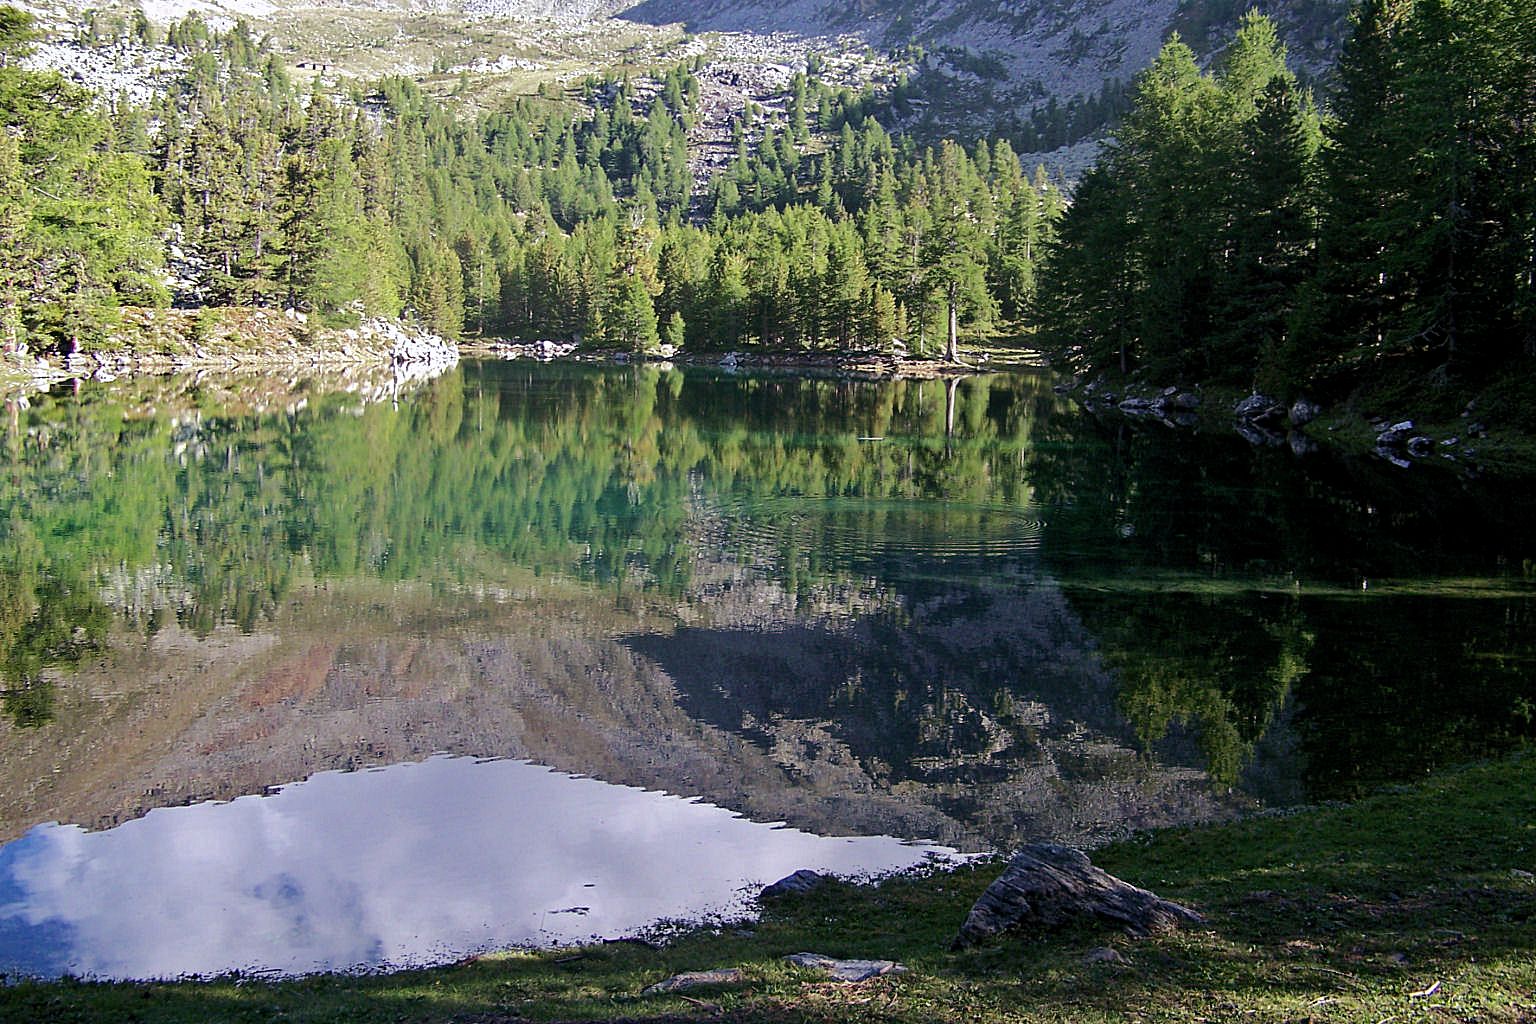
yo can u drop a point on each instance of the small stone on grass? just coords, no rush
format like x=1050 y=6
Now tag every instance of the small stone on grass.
x=697 y=979
x=846 y=970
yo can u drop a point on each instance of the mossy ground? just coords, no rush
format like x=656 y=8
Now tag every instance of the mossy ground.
x=1410 y=905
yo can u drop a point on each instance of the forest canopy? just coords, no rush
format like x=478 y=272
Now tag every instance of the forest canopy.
x=822 y=232
x=1230 y=233
x=1236 y=229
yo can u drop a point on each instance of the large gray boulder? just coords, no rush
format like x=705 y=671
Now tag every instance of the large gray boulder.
x=1259 y=410
x=1046 y=885
x=797 y=884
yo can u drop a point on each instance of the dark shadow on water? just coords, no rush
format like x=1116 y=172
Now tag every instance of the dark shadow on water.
x=953 y=686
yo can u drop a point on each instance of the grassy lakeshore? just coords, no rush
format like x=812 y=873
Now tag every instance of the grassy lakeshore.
x=1416 y=904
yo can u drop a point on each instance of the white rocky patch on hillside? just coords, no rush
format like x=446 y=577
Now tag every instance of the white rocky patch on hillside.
x=569 y=11
x=162 y=11
x=742 y=68
x=1046 y=48
x=500 y=66
x=138 y=72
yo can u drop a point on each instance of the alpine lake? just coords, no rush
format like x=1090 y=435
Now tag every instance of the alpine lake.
x=534 y=653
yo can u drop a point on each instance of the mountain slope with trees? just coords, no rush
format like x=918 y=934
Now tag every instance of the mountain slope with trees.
x=1237 y=231
x=542 y=219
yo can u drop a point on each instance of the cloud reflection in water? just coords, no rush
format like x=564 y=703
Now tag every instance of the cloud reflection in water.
x=409 y=865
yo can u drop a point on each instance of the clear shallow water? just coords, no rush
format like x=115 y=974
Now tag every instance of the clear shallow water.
x=392 y=867
x=966 y=614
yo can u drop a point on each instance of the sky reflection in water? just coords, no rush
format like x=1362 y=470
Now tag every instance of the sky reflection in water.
x=1001 y=621
x=408 y=865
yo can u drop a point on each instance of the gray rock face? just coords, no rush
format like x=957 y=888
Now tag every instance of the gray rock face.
x=1259 y=410
x=1184 y=400
x=793 y=885
x=846 y=970
x=1046 y=885
x=1304 y=412
x=697 y=979
x=1103 y=955
x=1397 y=433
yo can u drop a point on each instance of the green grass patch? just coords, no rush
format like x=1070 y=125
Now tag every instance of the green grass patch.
x=1411 y=905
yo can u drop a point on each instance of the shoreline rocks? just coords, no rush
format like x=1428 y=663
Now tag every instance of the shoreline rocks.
x=1171 y=406
x=797 y=884
x=544 y=350
x=220 y=338
x=869 y=365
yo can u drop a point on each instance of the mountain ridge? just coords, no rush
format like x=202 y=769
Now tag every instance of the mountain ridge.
x=1050 y=74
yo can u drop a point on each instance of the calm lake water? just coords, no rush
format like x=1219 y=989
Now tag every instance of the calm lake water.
x=294 y=680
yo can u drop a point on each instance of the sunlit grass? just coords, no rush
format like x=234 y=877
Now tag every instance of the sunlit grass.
x=1409 y=905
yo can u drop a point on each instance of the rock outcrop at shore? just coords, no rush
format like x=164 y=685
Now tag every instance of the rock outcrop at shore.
x=1046 y=885
x=219 y=338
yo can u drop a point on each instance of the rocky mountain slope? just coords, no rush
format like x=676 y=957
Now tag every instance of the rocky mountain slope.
x=1049 y=69
x=1041 y=48
x=1050 y=73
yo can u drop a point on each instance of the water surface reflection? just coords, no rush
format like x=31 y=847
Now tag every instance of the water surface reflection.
x=962 y=611
x=408 y=865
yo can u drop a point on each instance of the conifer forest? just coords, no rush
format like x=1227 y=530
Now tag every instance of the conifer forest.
x=1239 y=226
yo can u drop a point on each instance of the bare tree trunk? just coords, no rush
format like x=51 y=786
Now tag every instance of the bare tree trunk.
x=12 y=316
x=952 y=352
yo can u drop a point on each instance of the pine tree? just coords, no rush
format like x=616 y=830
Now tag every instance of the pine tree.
x=1345 y=303
x=882 y=328
x=1088 y=289
x=726 y=297
x=1271 y=137
x=674 y=333
x=631 y=317
x=954 y=247
x=80 y=210
x=847 y=288
x=631 y=320
x=1169 y=148
x=21 y=260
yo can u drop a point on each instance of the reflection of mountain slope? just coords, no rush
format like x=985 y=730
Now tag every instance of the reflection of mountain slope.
x=538 y=680
x=385 y=675
x=986 y=703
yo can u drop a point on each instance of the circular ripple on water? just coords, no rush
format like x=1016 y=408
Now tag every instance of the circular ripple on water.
x=853 y=527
